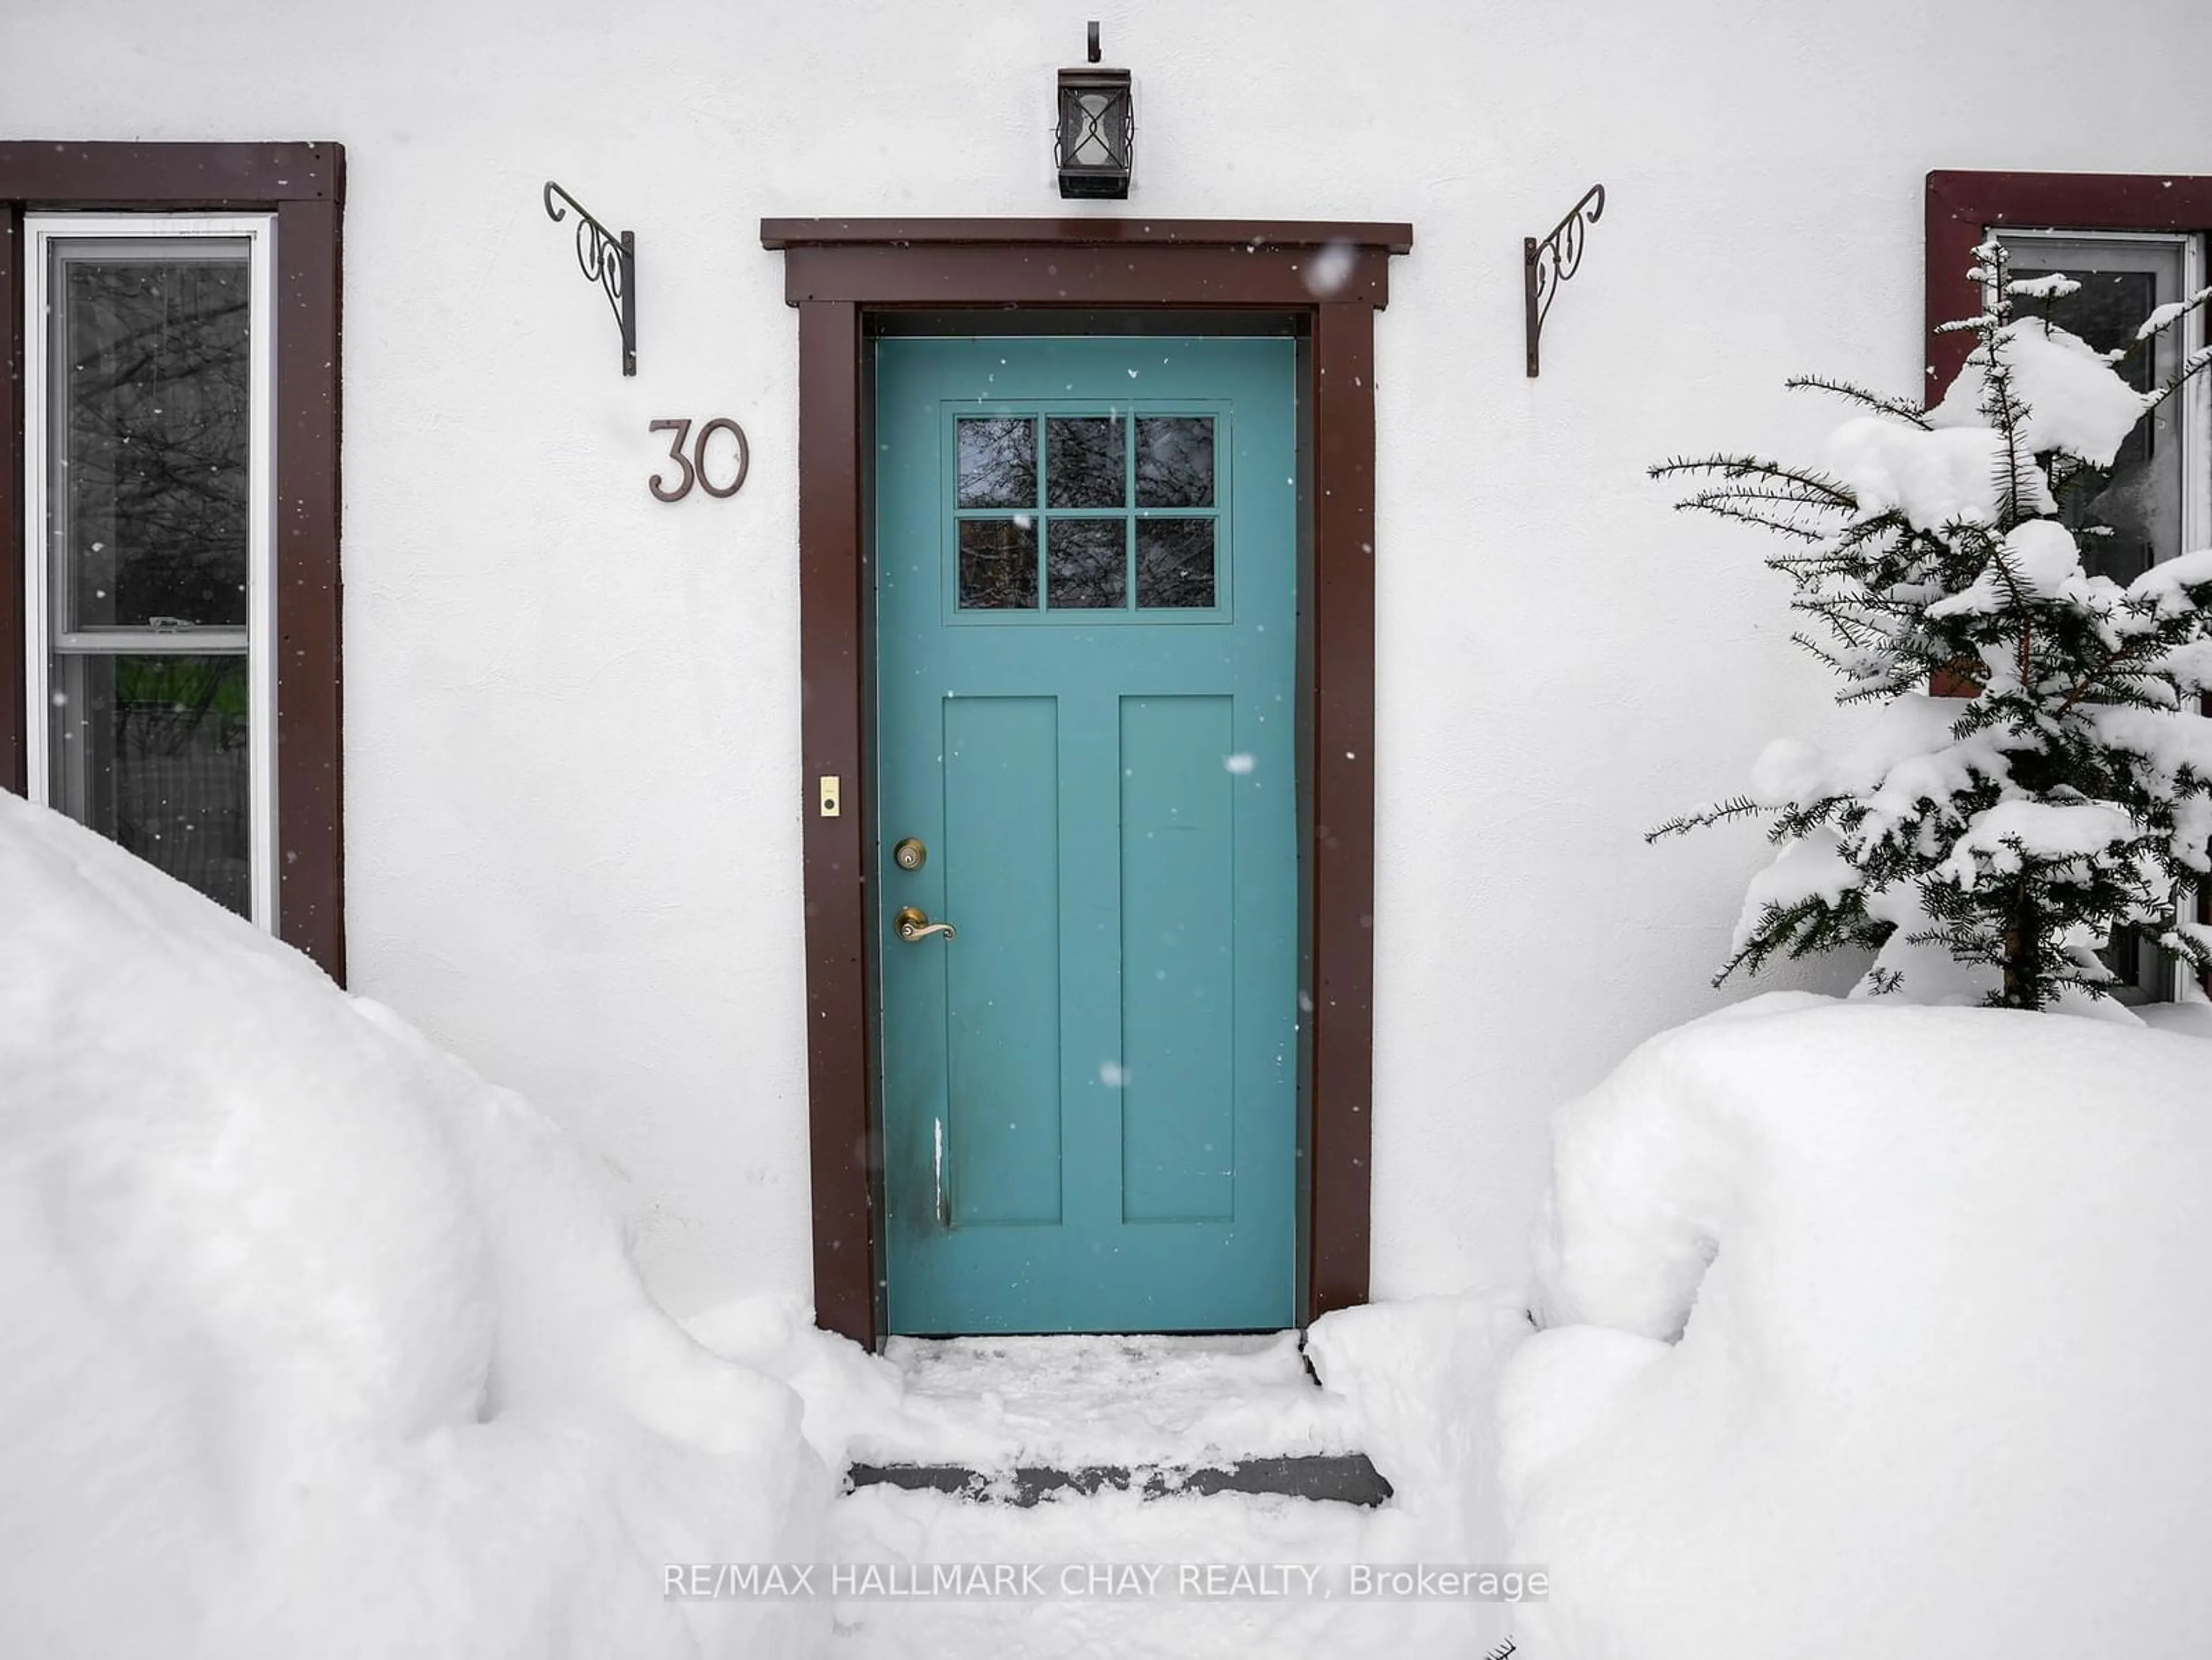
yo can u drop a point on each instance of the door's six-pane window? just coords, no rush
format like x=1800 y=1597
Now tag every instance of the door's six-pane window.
x=1067 y=513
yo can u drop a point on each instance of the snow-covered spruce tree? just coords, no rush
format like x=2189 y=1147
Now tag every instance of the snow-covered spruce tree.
x=2072 y=793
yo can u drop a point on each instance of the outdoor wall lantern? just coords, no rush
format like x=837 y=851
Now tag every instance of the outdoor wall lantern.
x=1097 y=132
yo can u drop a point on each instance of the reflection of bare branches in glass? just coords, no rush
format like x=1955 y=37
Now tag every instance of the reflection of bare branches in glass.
x=1174 y=461
x=998 y=463
x=1086 y=563
x=998 y=564
x=157 y=384
x=1174 y=564
x=1085 y=461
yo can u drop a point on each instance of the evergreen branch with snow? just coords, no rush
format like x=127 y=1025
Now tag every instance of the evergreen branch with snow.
x=2192 y=365
x=1816 y=485
x=1741 y=808
x=1903 y=408
x=1724 y=507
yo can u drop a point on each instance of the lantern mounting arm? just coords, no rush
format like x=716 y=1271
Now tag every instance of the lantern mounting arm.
x=608 y=259
x=1547 y=262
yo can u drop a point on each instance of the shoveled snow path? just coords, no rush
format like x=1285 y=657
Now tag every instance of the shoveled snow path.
x=1409 y=1384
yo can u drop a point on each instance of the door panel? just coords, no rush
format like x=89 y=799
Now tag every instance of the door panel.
x=1086 y=625
x=1002 y=881
x=1179 y=962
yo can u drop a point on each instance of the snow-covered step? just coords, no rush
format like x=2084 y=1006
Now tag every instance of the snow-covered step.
x=1014 y=1420
x=1330 y=1478
x=1130 y=1402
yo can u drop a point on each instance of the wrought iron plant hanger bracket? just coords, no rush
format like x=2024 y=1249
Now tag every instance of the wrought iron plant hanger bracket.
x=1551 y=261
x=607 y=259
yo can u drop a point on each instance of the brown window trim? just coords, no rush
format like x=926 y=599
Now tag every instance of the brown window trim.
x=840 y=273
x=304 y=185
x=1962 y=208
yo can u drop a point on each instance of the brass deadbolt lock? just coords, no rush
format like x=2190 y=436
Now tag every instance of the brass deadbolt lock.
x=909 y=854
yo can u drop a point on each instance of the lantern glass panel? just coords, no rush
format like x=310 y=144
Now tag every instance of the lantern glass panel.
x=1092 y=119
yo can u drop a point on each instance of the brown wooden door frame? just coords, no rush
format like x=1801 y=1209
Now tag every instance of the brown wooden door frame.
x=1328 y=280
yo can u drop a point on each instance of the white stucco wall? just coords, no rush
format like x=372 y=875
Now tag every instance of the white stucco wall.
x=573 y=795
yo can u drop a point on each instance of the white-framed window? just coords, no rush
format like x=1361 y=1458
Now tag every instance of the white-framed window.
x=148 y=353
x=2156 y=503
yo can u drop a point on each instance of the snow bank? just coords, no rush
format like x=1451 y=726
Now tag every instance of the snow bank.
x=1875 y=1330
x=1418 y=1377
x=311 y=1342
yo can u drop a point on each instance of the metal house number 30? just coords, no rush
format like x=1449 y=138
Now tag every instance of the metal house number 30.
x=693 y=465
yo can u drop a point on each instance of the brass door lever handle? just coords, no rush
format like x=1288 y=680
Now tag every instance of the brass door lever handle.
x=912 y=923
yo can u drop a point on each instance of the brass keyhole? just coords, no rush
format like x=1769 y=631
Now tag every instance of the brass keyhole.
x=909 y=854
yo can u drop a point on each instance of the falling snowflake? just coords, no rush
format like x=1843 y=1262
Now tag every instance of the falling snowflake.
x=1327 y=271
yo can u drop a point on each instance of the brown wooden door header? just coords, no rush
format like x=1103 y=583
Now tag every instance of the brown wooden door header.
x=1139 y=263
x=838 y=272
x=1116 y=233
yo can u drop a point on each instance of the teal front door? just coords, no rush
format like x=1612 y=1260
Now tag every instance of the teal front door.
x=1087 y=860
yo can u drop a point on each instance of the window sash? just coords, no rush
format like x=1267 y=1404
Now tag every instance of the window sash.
x=2054 y=245
x=44 y=638
x=2062 y=247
